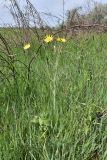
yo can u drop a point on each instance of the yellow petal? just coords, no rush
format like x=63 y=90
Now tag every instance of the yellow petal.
x=27 y=46
x=58 y=39
x=48 y=39
x=61 y=40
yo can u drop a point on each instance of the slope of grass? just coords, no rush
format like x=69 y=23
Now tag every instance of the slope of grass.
x=52 y=112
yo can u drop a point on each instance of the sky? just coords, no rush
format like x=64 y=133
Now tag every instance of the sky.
x=54 y=7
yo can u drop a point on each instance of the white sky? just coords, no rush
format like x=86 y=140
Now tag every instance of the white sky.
x=52 y=6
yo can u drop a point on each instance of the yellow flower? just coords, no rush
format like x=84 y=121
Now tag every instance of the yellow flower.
x=48 y=39
x=26 y=46
x=61 y=40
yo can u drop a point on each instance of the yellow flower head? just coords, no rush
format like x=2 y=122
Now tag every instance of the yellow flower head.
x=63 y=40
x=48 y=38
x=26 y=46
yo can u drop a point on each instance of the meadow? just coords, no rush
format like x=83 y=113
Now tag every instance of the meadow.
x=53 y=99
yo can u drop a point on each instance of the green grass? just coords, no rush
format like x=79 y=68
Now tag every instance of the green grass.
x=53 y=113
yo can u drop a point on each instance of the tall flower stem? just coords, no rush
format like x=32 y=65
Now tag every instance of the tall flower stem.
x=55 y=77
